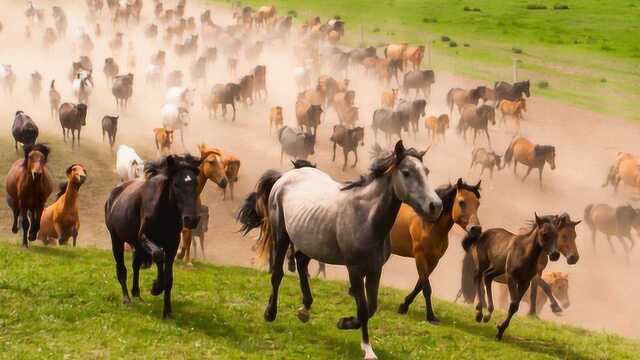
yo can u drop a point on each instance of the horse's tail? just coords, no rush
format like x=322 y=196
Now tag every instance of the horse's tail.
x=53 y=84
x=385 y=52
x=587 y=216
x=450 y=100
x=467 y=286
x=254 y=213
x=508 y=155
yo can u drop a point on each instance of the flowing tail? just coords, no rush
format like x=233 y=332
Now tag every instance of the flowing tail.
x=254 y=213
x=467 y=286
x=508 y=155
x=450 y=101
x=587 y=216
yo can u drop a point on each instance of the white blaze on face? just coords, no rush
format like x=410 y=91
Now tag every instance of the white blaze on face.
x=187 y=178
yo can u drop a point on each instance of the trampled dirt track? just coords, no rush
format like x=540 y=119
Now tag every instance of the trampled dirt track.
x=603 y=287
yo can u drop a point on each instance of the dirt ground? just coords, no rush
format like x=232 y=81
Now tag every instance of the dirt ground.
x=603 y=286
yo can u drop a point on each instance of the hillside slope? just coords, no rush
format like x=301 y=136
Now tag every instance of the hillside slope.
x=66 y=303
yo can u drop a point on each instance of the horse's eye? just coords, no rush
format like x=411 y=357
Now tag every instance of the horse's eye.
x=406 y=173
x=463 y=204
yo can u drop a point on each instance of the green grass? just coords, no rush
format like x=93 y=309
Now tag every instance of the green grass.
x=571 y=49
x=66 y=303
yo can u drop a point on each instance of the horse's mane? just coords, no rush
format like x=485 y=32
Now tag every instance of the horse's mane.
x=42 y=148
x=379 y=166
x=447 y=194
x=531 y=225
x=540 y=150
x=162 y=166
x=62 y=188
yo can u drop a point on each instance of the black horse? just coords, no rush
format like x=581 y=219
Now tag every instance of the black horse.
x=149 y=215
x=506 y=91
x=24 y=129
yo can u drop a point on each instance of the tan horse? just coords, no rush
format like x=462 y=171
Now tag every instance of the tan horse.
x=164 y=140
x=626 y=169
x=231 y=168
x=414 y=55
x=559 y=284
x=211 y=168
x=396 y=52
x=427 y=242
x=523 y=151
x=514 y=110
x=437 y=126
x=388 y=98
x=612 y=221
x=60 y=220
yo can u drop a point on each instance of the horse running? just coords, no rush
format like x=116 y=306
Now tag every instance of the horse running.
x=523 y=151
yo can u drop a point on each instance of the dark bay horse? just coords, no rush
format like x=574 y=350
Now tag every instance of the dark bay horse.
x=427 y=242
x=149 y=215
x=505 y=91
x=351 y=225
x=24 y=129
x=498 y=253
x=478 y=119
x=29 y=185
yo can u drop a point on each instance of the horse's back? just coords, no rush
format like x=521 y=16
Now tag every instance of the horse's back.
x=121 y=210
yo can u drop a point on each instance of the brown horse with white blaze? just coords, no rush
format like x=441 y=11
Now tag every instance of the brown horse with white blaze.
x=523 y=151
x=427 y=242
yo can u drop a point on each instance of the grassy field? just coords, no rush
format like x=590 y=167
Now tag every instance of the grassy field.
x=587 y=53
x=66 y=303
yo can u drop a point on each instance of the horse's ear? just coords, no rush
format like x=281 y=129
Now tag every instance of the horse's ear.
x=538 y=221
x=399 y=150
x=478 y=185
x=422 y=153
x=459 y=183
x=575 y=223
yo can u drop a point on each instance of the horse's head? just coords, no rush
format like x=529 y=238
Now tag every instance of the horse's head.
x=136 y=170
x=35 y=159
x=547 y=236
x=212 y=165
x=464 y=210
x=183 y=174
x=76 y=174
x=410 y=185
x=567 y=238
x=550 y=157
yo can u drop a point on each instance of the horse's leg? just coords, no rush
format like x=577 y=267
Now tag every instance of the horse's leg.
x=322 y=269
x=527 y=174
x=533 y=297
x=168 y=282
x=613 y=250
x=355 y=153
x=372 y=284
x=334 y=152
x=25 y=227
x=555 y=307
x=408 y=300
x=475 y=134
x=480 y=292
x=346 y=156
x=515 y=164
x=13 y=204
x=74 y=235
x=302 y=263
x=486 y=131
x=516 y=291
x=624 y=244
x=482 y=171
x=357 y=290
x=540 y=176
x=233 y=105
x=489 y=275
x=117 y=246
x=137 y=263
x=291 y=259
x=282 y=244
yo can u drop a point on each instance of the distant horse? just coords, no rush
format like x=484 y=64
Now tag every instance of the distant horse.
x=487 y=160
x=174 y=118
x=612 y=221
x=477 y=118
x=231 y=168
x=626 y=169
x=559 y=284
x=7 y=78
x=275 y=118
x=420 y=80
x=505 y=91
x=499 y=253
x=460 y=98
x=24 y=129
x=149 y=215
x=72 y=118
x=129 y=165
x=427 y=242
x=200 y=231
x=351 y=225
x=412 y=110
x=164 y=139
x=223 y=95
x=122 y=90
x=29 y=185
x=110 y=128
x=348 y=139
x=514 y=110
x=523 y=151
x=54 y=99
x=308 y=115
x=390 y=123
x=60 y=220
x=437 y=126
x=388 y=98
x=35 y=86
x=82 y=87
x=295 y=143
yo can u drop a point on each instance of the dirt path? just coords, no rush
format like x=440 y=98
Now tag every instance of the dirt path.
x=603 y=289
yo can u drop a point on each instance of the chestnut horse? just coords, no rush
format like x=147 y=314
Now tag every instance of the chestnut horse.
x=523 y=151
x=29 y=185
x=626 y=169
x=514 y=110
x=60 y=220
x=427 y=242
x=612 y=221
x=211 y=168
x=231 y=168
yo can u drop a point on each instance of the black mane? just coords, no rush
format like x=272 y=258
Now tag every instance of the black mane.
x=447 y=193
x=42 y=148
x=379 y=166
x=161 y=166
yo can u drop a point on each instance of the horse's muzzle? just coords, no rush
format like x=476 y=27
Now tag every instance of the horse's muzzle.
x=554 y=256
x=433 y=211
x=474 y=230
x=223 y=183
x=573 y=259
x=190 y=222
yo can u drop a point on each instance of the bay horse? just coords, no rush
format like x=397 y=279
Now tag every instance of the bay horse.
x=505 y=91
x=612 y=221
x=477 y=118
x=500 y=253
x=350 y=225
x=523 y=151
x=231 y=168
x=148 y=215
x=427 y=242
x=60 y=220
x=29 y=185
x=211 y=168
x=514 y=110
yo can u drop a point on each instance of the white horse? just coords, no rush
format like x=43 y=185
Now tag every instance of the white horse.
x=180 y=96
x=175 y=117
x=129 y=165
x=7 y=78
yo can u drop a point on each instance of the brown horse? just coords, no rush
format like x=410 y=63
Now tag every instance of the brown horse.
x=211 y=168
x=437 y=126
x=427 y=242
x=275 y=118
x=60 y=220
x=514 y=110
x=478 y=119
x=414 y=55
x=231 y=168
x=29 y=185
x=523 y=151
x=559 y=284
x=514 y=258
x=626 y=169
x=612 y=221
x=164 y=140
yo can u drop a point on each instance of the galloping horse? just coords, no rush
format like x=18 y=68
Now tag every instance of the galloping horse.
x=477 y=118
x=534 y=156
x=29 y=185
x=211 y=168
x=505 y=91
x=612 y=221
x=427 y=242
x=148 y=215
x=626 y=169
x=337 y=224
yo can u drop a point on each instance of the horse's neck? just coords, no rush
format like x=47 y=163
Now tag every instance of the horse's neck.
x=202 y=181
x=533 y=250
x=384 y=205
x=443 y=225
x=70 y=197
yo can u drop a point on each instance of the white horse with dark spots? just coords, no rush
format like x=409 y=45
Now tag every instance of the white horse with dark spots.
x=337 y=224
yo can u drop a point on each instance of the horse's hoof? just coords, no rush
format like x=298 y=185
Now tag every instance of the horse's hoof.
x=556 y=309
x=500 y=333
x=14 y=230
x=156 y=289
x=403 y=309
x=269 y=314
x=189 y=264
x=433 y=320
x=167 y=315
x=126 y=301
x=348 y=323
x=180 y=255
x=303 y=315
x=479 y=317
x=487 y=318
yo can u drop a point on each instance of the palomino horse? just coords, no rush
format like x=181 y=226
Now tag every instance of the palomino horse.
x=148 y=215
x=60 y=220
x=427 y=242
x=29 y=185
x=337 y=224
x=612 y=221
x=499 y=253
x=625 y=169
x=211 y=168
x=534 y=156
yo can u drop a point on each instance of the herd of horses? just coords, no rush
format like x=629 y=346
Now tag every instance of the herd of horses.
x=156 y=209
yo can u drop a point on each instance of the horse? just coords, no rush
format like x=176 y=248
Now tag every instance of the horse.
x=420 y=80
x=437 y=126
x=54 y=99
x=129 y=165
x=275 y=118
x=308 y=115
x=223 y=95
x=351 y=225
x=487 y=160
x=24 y=129
x=82 y=87
x=477 y=118
x=246 y=89
x=72 y=118
x=505 y=91
x=626 y=169
x=414 y=55
x=231 y=168
x=200 y=231
x=460 y=98
x=500 y=253
x=164 y=139
x=612 y=221
x=427 y=242
x=211 y=168
x=35 y=86
x=60 y=220
x=559 y=284
x=122 y=89
x=148 y=215
x=514 y=110
x=521 y=150
x=175 y=117
x=295 y=143
x=29 y=185
x=7 y=78
x=110 y=128
x=348 y=139
x=390 y=123
x=412 y=110
x=388 y=98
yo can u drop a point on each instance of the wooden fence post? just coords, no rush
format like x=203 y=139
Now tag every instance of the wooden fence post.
x=515 y=69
